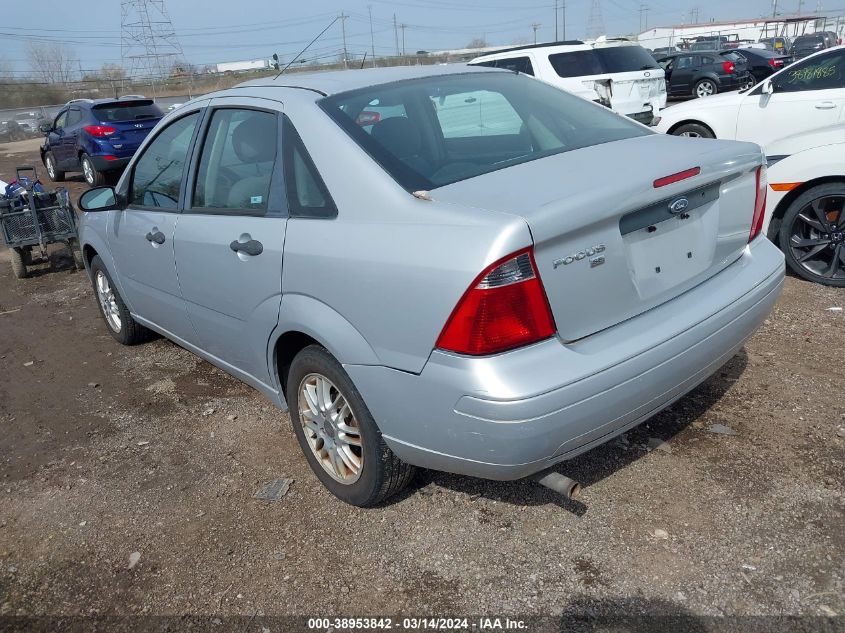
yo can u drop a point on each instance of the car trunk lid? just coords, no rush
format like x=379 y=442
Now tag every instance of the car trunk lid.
x=609 y=244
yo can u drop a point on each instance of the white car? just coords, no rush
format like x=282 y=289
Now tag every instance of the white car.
x=618 y=74
x=805 y=207
x=806 y=95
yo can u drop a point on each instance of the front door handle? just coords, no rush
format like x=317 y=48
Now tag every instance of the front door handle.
x=250 y=247
x=825 y=105
x=156 y=237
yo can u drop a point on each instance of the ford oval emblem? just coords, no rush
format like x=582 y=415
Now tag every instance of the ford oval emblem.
x=679 y=206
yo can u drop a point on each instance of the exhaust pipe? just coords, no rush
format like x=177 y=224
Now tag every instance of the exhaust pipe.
x=562 y=485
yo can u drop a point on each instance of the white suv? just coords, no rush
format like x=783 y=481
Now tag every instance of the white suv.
x=618 y=74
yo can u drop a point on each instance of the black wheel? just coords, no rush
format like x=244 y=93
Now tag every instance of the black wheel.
x=337 y=433
x=705 y=88
x=76 y=253
x=121 y=325
x=20 y=259
x=53 y=171
x=812 y=235
x=693 y=130
x=748 y=82
x=92 y=176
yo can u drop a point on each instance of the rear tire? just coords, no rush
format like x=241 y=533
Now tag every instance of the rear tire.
x=380 y=473
x=693 y=130
x=53 y=171
x=19 y=259
x=89 y=172
x=123 y=328
x=705 y=88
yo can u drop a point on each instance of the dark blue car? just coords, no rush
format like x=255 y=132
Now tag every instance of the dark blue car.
x=97 y=137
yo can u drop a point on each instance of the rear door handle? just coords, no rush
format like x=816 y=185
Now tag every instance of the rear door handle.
x=157 y=237
x=825 y=105
x=250 y=247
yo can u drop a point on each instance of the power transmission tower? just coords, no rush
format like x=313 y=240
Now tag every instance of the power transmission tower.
x=535 y=26
x=595 y=21
x=643 y=17
x=148 y=43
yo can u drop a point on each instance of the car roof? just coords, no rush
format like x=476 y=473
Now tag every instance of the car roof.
x=334 y=82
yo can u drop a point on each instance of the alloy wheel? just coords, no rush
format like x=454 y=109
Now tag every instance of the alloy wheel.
x=817 y=237
x=108 y=303
x=705 y=89
x=330 y=428
x=88 y=171
x=690 y=134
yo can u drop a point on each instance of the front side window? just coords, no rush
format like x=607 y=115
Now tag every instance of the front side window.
x=819 y=73
x=61 y=120
x=481 y=122
x=237 y=161
x=74 y=117
x=157 y=175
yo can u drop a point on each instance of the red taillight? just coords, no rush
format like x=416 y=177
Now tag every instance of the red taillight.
x=109 y=157
x=505 y=307
x=681 y=175
x=759 y=204
x=775 y=63
x=729 y=67
x=367 y=117
x=100 y=130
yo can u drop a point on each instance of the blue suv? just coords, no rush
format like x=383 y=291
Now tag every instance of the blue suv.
x=97 y=137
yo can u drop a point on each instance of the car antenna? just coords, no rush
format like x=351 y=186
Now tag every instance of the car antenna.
x=307 y=47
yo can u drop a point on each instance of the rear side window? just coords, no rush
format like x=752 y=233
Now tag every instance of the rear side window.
x=157 y=176
x=307 y=194
x=708 y=60
x=517 y=64
x=576 y=64
x=127 y=111
x=237 y=161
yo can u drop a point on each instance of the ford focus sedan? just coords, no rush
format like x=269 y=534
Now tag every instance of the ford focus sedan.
x=447 y=267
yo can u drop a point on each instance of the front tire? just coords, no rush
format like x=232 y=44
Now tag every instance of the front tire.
x=89 y=172
x=705 y=88
x=337 y=433
x=812 y=235
x=693 y=130
x=123 y=328
x=53 y=172
x=19 y=260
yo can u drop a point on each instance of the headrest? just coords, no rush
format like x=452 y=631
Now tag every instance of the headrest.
x=399 y=136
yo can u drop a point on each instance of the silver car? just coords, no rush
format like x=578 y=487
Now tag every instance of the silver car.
x=454 y=268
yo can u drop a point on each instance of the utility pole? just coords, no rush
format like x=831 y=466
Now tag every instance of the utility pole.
x=563 y=14
x=396 y=34
x=342 y=17
x=535 y=26
x=556 y=22
x=372 y=39
x=403 y=27
x=774 y=8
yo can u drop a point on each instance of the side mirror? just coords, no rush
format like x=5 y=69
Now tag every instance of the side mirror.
x=45 y=128
x=99 y=199
x=768 y=87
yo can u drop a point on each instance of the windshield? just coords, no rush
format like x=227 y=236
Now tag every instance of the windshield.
x=127 y=111
x=431 y=132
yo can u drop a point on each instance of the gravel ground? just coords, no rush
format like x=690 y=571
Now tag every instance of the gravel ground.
x=127 y=478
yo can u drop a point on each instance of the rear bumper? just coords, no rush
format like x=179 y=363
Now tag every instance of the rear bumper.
x=101 y=164
x=510 y=415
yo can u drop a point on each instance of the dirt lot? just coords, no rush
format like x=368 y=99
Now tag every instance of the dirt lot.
x=106 y=451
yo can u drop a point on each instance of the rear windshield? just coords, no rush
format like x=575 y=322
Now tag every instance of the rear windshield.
x=431 y=132
x=807 y=41
x=601 y=61
x=127 y=111
x=734 y=57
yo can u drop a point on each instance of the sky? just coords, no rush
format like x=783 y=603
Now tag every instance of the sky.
x=211 y=31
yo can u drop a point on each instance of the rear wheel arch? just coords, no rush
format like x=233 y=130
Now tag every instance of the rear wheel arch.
x=286 y=348
x=773 y=232
x=690 y=122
